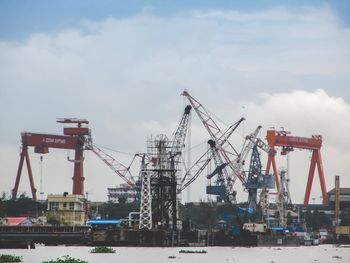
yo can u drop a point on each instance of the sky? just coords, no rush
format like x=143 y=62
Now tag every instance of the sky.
x=123 y=66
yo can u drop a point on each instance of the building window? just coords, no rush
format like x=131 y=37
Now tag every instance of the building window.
x=71 y=206
x=53 y=205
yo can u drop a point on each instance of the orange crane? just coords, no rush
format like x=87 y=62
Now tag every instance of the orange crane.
x=289 y=143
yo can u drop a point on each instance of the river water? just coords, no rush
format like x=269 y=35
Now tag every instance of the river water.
x=315 y=254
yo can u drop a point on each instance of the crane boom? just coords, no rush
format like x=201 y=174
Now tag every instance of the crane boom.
x=117 y=167
x=202 y=162
x=213 y=129
x=227 y=151
x=180 y=135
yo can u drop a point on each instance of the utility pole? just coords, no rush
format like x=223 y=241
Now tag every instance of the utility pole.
x=336 y=199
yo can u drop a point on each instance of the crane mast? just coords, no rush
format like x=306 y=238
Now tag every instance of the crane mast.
x=224 y=186
x=239 y=162
x=271 y=156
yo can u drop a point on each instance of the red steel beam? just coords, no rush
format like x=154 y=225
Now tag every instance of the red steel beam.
x=276 y=138
x=49 y=141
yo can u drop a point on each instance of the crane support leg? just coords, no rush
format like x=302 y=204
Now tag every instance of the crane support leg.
x=272 y=160
x=322 y=179
x=30 y=174
x=78 y=178
x=19 y=172
x=24 y=155
x=310 y=177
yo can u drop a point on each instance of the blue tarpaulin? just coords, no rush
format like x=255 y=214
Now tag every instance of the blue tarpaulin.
x=246 y=210
x=277 y=228
x=103 y=222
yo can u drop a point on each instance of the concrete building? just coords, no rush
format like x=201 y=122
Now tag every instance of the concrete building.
x=344 y=198
x=66 y=210
x=123 y=191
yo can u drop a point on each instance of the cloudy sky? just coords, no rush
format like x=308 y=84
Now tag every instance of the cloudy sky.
x=124 y=65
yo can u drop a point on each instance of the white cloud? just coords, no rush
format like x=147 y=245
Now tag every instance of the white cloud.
x=126 y=76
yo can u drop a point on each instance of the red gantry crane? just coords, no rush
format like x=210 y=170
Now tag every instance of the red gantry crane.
x=77 y=138
x=288 y=143
x=74 y=138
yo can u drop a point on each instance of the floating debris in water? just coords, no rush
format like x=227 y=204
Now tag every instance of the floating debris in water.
x=337 y=257
x=193 y=251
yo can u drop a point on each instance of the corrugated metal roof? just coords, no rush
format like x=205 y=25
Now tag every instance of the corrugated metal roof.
x=14 y=221
x=343 y=191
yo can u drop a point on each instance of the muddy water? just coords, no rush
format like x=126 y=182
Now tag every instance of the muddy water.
x=316 y=254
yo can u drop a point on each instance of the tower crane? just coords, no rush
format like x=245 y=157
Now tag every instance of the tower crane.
x=225 y=148
x=271 y=156
x=238 y=164
x=255 y=178
x=230 y=156
x=223 y=180
x=204 y=160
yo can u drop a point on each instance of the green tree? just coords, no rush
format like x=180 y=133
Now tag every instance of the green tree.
x=317 y=220
x=116 y=210
x=345 y=217
x=23 y=206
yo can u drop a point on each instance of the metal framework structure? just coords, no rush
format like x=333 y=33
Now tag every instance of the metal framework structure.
x=160 y=176
x=74 y=138
x=283 y=199
x=289 y=143
x=163 y=184
x=264 y=204
x=146 y=198
x=255 y=178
